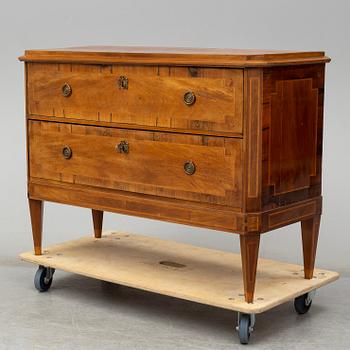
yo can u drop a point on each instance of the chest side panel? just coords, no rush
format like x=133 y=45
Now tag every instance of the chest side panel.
x=292 y=133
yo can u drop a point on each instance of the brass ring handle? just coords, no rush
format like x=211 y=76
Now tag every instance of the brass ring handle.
x=67 y=152
x=189 y=167
x=66 y=90
x=123 y=147
x=189 y=98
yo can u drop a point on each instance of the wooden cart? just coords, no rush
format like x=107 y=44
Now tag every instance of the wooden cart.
x=193 y=273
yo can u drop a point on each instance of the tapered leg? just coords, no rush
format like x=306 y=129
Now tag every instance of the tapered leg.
x=249 y=254
x=36 y=209
x=309 y=231
x=97 y=217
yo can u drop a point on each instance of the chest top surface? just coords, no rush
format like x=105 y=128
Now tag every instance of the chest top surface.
x=175 y=56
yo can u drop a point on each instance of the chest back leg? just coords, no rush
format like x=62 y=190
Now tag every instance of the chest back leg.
x=97 y=218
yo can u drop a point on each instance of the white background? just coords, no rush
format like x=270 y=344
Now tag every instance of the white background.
x=295 y=25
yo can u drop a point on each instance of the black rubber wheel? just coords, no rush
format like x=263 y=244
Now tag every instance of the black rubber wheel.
x=244 y=328
x=301 y=304
x=41 y=283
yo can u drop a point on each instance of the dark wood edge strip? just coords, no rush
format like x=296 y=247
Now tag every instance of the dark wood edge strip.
x=275 y=218
x=131 y=126
x=252 y=140
x=212 y=61
x=145 y=206
x=290 y=214
x=217 y=218
x=139 y=196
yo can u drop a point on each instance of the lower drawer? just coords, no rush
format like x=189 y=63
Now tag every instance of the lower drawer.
x=190 y=167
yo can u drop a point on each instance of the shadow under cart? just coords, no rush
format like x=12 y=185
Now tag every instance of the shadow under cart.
x=183 y=271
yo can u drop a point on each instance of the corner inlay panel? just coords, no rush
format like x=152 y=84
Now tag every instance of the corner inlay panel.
x=293 y=135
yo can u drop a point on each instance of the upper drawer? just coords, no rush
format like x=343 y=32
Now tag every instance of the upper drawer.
x=194 y=99
x=191 y=167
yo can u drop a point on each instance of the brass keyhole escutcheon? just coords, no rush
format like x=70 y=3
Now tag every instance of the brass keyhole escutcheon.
x=66 y=90
x=189 y=167
x=123 y=82
x=67 y=152
x=189 y=98
x=123 y=147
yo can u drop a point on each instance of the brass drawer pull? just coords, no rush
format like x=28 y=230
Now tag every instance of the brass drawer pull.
x=67 y=152
x=189 y=98
x=189 y=167
x=66 y=90
x=123 y=147
x=123 y=82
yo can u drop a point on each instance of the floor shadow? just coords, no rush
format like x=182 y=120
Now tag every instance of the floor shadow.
x=207 y=318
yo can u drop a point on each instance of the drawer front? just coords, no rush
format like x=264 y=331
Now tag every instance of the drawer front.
x=190 y=167
x=203 y=99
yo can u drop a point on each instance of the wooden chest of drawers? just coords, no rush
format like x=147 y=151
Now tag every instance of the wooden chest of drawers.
x=224 y=139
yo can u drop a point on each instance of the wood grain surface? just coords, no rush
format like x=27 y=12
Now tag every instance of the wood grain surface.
x=292 y=134
x=175 y=56
x=153 y=165
x=154 y=97
x=193 y=273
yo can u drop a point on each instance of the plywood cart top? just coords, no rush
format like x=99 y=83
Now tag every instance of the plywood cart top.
x=193 y=273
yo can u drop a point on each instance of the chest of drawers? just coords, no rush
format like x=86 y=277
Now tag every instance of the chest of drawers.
x=224 y=139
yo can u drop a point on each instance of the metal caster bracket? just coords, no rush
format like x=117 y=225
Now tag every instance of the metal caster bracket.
x=252 y=321
x=309 y=297
x=49 y=273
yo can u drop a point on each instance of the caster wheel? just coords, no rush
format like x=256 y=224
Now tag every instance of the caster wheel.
x=303 y=303
x=43 y=278
x=244 y=328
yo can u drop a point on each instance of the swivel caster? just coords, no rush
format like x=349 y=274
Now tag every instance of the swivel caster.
x=43 y=278
x=303 y=303
x=245 y=327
